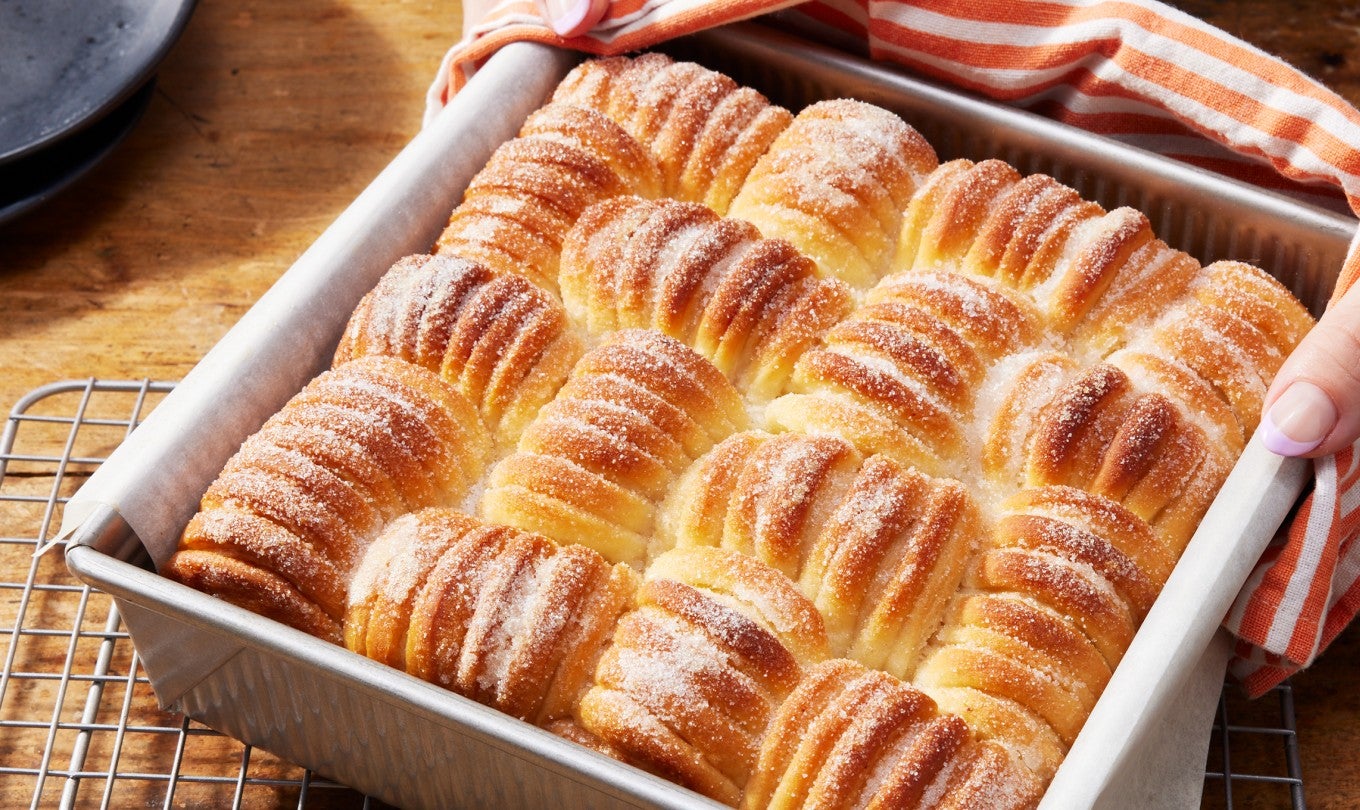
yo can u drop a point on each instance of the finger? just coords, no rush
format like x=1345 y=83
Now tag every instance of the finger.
x=1313 y=407
x=570 y=18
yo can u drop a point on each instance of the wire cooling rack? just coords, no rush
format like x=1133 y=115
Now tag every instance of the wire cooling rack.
x=80 y=726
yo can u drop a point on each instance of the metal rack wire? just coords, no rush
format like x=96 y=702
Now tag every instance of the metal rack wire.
x=1254 y=752
x=83 y=727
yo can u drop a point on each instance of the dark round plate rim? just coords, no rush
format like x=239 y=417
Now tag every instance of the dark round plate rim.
x=131 y=109
x=134 y=80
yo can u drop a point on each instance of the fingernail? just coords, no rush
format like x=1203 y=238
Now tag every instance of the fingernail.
x=1299 y=420
x=569 y=18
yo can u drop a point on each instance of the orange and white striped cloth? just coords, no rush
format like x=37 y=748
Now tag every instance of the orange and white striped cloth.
x=1134 y=70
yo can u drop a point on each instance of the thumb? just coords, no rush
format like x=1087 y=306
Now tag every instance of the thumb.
x=571 y=18
x=1313 y=407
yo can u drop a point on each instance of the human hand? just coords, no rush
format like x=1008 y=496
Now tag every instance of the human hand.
x=569 y=18
x=1313 y=407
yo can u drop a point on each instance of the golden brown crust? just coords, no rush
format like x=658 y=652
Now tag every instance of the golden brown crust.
x=1096 y=430
x=590 y=131
x=900 y=376
x=688 y=685
x=740 y=129
x=913 y=536
x=853 y=737
x=1066 y=587
x=251 y=540
x=943 y=219
x=410 y=313
x=783 y=497
x=1004 y=722
x=502 y=342
x=991 y=777
x=988 y=317
x=876 y=547
x=609 y=84
x=595 y=463
x=695 y=511
x=835 y=184
x=1233 y=335
x=749 y=305
x=256 y=589
x=758 y=591
x=1046 y=613
x=1016 y=242
x=568 y=729
x=1072 y=431
x=517 y=209
x=506 y=618
x=1026 y=630
x=392 y=573
x=1026 y=384
x=1153 y=277
x=1106 y=246
x=705 y=131
x=412 y=424
x=1199 y=403
x=295 y=509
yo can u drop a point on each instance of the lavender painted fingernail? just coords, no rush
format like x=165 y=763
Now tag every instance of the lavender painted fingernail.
x=1299 y=420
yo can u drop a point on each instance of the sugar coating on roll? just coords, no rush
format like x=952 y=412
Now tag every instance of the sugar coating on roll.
x=507 y=618
x=876 y=547
x=749 y=305
x=505 y=344
x=594 y=464
x=1233 y=332
x=835 y=184
x=705 y=131
x=1079 y=264
x=900 y=376
x=517 y=209
x=294 y=510
x=850 y=736
x=686 y=690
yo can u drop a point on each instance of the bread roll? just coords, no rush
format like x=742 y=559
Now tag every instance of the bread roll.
x=1046 y=612
x=1095 y=430
x=751 y=306
x=595 y=463
x=705 y=131
x=292 y=513
x=835 y=185
x=504 y=617
x=518 y=208
x=1037 y=236
x=876 y=547
x=1233 y=332
x=505 y=344
x=852 y=737
x=715 y=644
x=900 y=376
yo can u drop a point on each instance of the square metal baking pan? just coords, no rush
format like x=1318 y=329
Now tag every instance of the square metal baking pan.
x=413 y=744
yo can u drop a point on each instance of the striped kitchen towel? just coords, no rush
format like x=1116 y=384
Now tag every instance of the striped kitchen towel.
x=1133 y=70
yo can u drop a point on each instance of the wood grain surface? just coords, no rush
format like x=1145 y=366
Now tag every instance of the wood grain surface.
x=268 y=119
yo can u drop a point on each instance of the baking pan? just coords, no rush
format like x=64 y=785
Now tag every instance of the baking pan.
x=410 y=743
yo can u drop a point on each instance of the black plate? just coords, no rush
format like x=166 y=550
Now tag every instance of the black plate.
x=67 y=63
x=35 y=178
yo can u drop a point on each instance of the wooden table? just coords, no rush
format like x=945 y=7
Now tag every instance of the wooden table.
x=270 y=117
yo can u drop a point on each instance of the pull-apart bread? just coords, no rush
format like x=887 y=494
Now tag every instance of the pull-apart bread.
x=758 y=450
